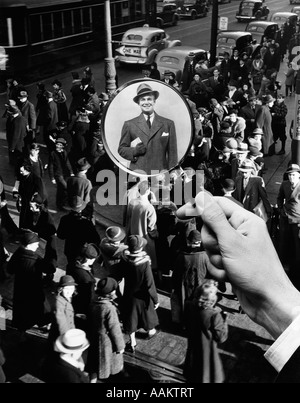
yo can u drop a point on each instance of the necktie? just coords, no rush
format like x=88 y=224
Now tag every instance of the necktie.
x=149 y=122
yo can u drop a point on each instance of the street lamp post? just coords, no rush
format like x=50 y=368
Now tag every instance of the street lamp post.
x=214 y=32
x=109 y=61
x=295 y=146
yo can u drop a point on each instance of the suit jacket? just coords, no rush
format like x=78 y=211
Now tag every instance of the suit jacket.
x=288 y=200
x=254 y=192
x=160 y=140
x=28 y=112
x=15 y=132
x=248 y=114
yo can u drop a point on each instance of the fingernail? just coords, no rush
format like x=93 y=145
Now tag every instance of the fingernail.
x=202 y=201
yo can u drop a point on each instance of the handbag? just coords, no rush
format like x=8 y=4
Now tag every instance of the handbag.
x=260 y=211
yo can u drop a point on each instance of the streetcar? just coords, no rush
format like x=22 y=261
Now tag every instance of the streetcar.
x=39 y=38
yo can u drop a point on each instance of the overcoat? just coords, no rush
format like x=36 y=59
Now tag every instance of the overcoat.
x=141 y=220
x=28 y=296
x=106 y=339
x=264 y=122
x=62 y=317
x=160 y=141
x=140 y=293
x=205 y=329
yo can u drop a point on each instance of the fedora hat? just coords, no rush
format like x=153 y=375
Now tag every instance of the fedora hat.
x=106 y=286
x=83 y=164
x=61 y=140
x=135 y=243
x=256 y=131
x=71 y=341
x=293 y=168
x=115 y=233
x=29 y=237
x=23 y=94
x=246 y=166
x=268 y=98
x=77 y=204
x=90 y=251
x=144 y=89
x=66 y=281
x=242 y=148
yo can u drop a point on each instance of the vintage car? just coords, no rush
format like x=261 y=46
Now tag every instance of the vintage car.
x=280 y=17
x=252 y=10
x=240 y=40
x=294 y=1
x=166 y=14
x=296 y=9
x=173 y=59
x=141 y=45
x=261 y=29
x=193 y=9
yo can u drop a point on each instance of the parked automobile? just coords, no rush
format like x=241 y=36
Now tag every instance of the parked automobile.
x=296 y=9
x=280 y=17
x=261 y=29
x=252 y=10
x=294 y=1
x=141 y=45
x=173 y=59
x=240 y=40
x=193 y=9
x=166 y=14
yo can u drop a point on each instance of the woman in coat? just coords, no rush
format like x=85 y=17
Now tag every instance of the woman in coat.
x=28 y=297
x=63 y=311
x=105 y=356
x=140 y=299
x=206 y=327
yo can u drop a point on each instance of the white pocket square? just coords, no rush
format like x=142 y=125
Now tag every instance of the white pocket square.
x=164 y=134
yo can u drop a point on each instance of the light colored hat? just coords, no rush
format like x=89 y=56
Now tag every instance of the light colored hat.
x=144 y=89
x=246 y=166
x=293 y=168
x=73 y=340
x=242 y=148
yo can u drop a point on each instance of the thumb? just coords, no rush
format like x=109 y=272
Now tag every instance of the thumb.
x=213 y=215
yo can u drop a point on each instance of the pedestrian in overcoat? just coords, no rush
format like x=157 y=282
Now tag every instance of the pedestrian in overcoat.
x=263 y=120
x=105 y=356
x=140 y=299
x=206 y=328
x=28 y=297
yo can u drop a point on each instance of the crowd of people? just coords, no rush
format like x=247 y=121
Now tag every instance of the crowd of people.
x=239 y=116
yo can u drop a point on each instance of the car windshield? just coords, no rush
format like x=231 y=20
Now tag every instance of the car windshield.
x=169 y=60
x=279 y=18
x=254 y=28
x=247 y=4
x=228 y=41
x=134 y=38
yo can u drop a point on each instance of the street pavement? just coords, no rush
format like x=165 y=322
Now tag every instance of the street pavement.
x=161 y=358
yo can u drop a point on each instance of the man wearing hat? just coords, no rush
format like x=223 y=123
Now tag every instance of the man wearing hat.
x=228 y=187
x=51 y=114
x=188 y=71
x=233 y=94
x=148 y=141
x=250 y=190
x=28 y=296
x=288 y=201
x=76 y=230
x=28 y=112
x=60 y=170
x=15 y=133
x=67 y=364
x=241 y=153
x=248 y=112
x=170 y=79
x=263 y=120
x=79 y=185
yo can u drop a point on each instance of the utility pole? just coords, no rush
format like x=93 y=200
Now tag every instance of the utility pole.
x=151 y=13
x=109 y=61
x=214 y=32
x=295 y=146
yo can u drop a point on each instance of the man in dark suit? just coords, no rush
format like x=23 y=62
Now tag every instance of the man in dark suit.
x=248 y=113
x=148 y=141
x=250 y=190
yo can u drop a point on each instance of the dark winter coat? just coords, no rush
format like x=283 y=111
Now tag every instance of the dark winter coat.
x=28 y=297
x=205 y=328
x=106 y=339
x=85 y=288
x=57 y=370
x=16 y=132
x=59 y=165
x=28 y=112
x=140 y=293
x=76 y=230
